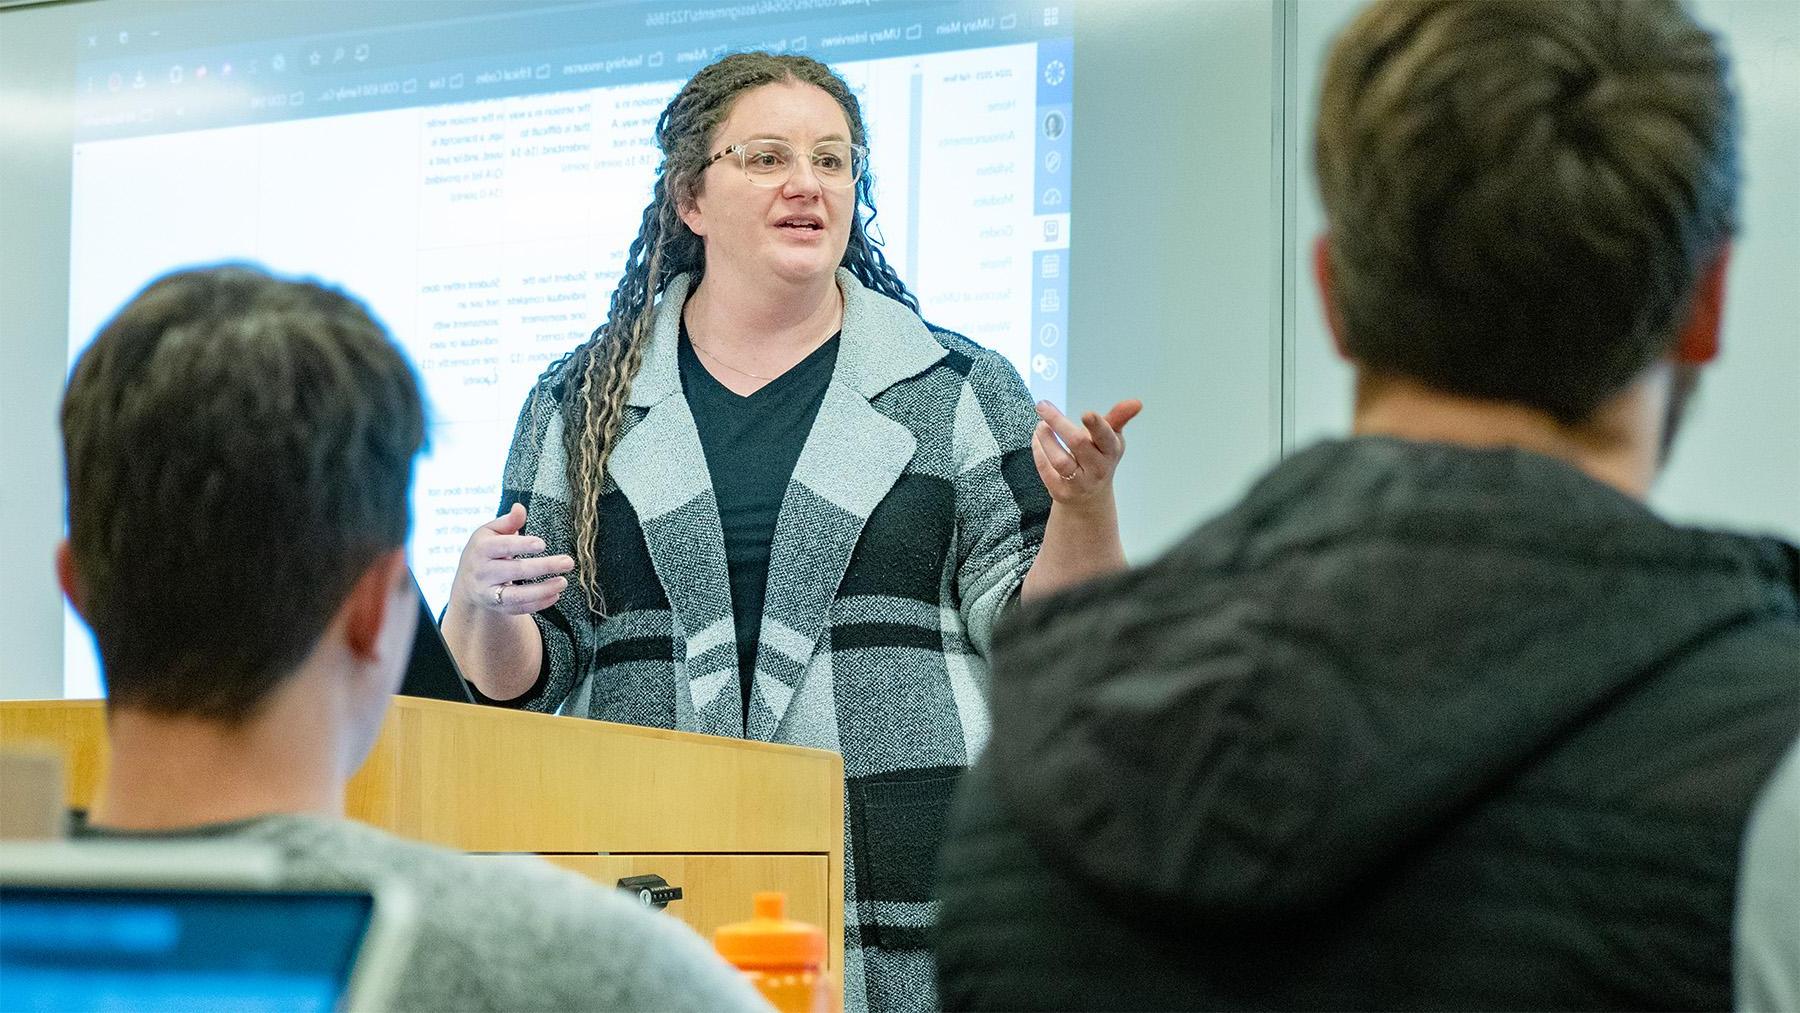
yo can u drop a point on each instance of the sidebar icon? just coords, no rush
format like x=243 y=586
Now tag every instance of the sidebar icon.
x=1054 y=128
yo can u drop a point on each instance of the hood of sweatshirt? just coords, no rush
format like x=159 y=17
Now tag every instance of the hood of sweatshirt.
x=1378 y=634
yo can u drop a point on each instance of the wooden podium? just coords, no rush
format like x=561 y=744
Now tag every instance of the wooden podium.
x=720 y=818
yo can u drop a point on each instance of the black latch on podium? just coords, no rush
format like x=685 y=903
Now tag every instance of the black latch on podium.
x=652 y=891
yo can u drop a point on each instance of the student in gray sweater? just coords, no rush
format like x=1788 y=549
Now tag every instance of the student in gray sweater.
x=1767 y=938
x=239 y=454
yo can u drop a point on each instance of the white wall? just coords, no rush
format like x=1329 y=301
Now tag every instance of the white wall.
x=34 y=310
x=1178 y=256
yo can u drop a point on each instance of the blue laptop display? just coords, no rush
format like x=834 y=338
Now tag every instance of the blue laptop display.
x=165 y=926
x=64 y=949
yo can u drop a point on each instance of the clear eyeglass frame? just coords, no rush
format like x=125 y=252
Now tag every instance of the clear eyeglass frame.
x=754 y=159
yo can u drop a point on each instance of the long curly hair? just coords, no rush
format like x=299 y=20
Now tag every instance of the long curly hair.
x=599 y=372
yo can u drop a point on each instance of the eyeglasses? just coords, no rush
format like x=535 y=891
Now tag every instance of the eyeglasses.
x=768 y=162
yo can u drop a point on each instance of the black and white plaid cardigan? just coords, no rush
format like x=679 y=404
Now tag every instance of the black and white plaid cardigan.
x=910 y=521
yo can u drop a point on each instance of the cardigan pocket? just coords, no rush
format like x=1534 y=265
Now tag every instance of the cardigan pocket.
x=901 y=819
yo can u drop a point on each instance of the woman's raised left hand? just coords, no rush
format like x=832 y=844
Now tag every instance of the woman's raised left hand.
x=1076 y=460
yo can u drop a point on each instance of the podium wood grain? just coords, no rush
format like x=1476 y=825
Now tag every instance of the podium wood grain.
x=486 y=779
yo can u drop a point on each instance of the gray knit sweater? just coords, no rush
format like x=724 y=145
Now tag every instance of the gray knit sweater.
x=911 y=518
x=503 y=933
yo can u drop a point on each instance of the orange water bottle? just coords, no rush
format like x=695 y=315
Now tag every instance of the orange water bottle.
x=784 y=959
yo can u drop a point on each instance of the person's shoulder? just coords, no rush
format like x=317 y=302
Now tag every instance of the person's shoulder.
x=956 y=343
x=538 y=936
x=565 y=940
x=1767 y=953
x=316 y=847
x=556 y=382
x=1759 y=572
x=963 y=354
x=989 y=373
x=1758 y=654
x=452 y=884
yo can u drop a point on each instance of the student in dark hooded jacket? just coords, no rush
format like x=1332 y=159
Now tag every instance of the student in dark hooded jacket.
x=1441 y=715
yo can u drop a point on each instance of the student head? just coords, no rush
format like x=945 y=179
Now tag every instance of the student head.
x=1527 y=201
x=238 y=450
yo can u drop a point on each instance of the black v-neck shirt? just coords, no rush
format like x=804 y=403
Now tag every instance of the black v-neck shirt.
x=752 y=444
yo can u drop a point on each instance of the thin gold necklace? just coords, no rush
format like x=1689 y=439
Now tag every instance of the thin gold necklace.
x=744 y=372
x=727 y=365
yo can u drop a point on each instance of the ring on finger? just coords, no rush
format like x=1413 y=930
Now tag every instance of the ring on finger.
x=500 y=595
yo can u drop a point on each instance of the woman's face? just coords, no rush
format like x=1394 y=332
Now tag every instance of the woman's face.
x=794 y=232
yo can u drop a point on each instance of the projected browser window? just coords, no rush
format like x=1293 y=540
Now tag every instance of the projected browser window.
x=478 y=181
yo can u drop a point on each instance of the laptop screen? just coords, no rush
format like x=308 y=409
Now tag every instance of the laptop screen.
x=77 y=948
x=431 y=672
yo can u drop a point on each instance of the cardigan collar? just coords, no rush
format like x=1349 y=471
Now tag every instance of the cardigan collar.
x=883 y=343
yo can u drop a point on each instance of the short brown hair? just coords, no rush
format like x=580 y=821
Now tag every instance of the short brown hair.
x=1522 y=194
x=239 y=450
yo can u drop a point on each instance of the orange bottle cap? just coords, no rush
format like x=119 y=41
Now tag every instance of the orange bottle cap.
x=770 y=939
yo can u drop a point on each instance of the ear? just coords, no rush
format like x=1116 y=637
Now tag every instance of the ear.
x=1698 y=342
x=372 y=598
x=1322 y=275
x=687 y=208
x=69 y=579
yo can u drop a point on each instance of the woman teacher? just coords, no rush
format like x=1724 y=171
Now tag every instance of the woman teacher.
x=791 y=510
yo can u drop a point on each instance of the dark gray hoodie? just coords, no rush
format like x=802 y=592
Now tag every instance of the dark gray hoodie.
x=1412 y=726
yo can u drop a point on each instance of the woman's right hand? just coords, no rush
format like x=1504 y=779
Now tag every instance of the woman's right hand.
x=494 y=562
